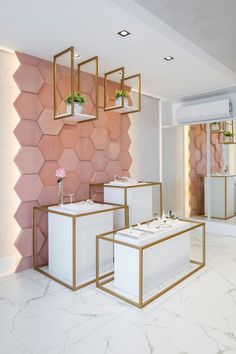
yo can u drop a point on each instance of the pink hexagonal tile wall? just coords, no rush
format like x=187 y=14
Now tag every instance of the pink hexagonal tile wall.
x=24 y=242
x=92 y=151
x=28 y=78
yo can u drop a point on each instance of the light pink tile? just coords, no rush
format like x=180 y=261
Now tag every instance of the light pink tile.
x=49 y=195
x=125 y=122
x=85 y=171
x=113 y=127
x=87 y=82
x=125 y=141
x=47 y=173
x=48 y=124
x=113 y=168
x=100 y=177
x=99 y=160
x=102 y=120
x=28 y=187
x=100 y=138
x=69 y=136
x=28 y=105
x=24 y=214
x=24 y=242
x=125 y=160
x=85 y=130
x=68 y=160
x=64 y=86
x=83 y=192
x=29 y=160
x=28 y=132
x=25 y=263
x=84 y=148
x=50 y=147
x=46 y=70
x=113 y=150
x=27 y=59
x=28 y=78
x=71 y=183
x=46 y=96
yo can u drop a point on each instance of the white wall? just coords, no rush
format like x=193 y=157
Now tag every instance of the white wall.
x=144 y=134
x=9 y=173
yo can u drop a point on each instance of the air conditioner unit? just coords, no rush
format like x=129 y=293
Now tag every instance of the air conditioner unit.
x=204 y=112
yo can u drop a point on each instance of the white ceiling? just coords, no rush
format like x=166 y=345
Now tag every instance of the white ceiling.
x=43 y=28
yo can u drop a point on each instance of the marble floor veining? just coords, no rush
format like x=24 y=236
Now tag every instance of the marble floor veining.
x=37 y=315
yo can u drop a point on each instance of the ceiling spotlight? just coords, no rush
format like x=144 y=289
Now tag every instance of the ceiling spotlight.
x=123 y=33
x=77 y=56
x=169 y=58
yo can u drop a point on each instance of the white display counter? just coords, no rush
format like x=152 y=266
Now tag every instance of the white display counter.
x=222 y=196
x=151 y=259
x=72 y=230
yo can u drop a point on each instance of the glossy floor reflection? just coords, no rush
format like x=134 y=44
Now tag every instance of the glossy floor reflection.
x=199 y=316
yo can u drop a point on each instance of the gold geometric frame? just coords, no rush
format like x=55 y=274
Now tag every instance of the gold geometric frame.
x=96 y=84
x=223 y=141
x=141 y=303
x=125 y=189
x=55 y=57
x=46 y=209
x=139 y=92
x=122 y=70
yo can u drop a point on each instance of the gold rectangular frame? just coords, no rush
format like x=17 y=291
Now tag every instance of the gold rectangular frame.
x=222 y=141
x=66 y=115
x=45 y=208
x=122 y=69
x=141 y=303
x=125 y=188
x=139 y=92
x=96 y=84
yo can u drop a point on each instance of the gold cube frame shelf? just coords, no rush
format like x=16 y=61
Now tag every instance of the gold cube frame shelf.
x=122 y=108
x=228 y=126
x=103 y=284
x=78 y=118
x=45 y=209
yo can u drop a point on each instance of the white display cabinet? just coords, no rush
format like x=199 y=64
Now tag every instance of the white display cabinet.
x=71 y=237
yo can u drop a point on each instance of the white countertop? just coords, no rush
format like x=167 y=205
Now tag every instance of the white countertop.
x=124 y=184
x=78 y=208
x=159 y=233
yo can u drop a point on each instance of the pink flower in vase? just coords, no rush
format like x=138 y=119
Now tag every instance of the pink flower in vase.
x=60 y=173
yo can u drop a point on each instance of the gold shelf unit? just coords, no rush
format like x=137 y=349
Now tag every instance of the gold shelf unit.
x=229 y=127
x=122 y=108
x=72 y=117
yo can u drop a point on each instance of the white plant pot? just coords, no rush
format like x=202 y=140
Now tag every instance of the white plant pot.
x=228 y=139
x=215 y=127
x=118 y=102
x=78 y=108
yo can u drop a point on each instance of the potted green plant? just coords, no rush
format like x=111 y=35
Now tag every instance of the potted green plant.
x=215 y=126
x=228 y=136
x=79 y=100
x=118 y=97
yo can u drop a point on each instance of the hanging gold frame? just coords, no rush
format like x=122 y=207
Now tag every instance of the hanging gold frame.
x=223 y=141
x=122 y=109
x=55 y=58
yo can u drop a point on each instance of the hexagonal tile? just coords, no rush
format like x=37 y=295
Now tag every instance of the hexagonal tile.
x=83 y=192
x=28 y=105
x=46 y=70
x=49 y=195
x=64 y=86
x=28 y=133
x=28 y=78
x=113 y=168
x=125 y=141
x=113 y=127
x=24 y=242
x=84 y=148
x=25 y=263
x=24 y=214
x=43 y=223
x=27 y=59
x=46 y=96
x=47 y=173
x=43 y=254
x=29 y=160
x=48 y=124
x=100 y=177
x=85 y=129
x=125 y=173
x=28 y=187
x=102 y=119
x=89 y=106
x=68 y=159
x=69 y=136
x=113 y=150
x=87 y=82
x=125 y=122
x=85 y=171
x=100 y=138
x=50 y=147
x=99 y=160
x=71 y=183
x=125 y=160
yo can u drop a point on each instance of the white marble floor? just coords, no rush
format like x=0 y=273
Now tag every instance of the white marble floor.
x=198 y=317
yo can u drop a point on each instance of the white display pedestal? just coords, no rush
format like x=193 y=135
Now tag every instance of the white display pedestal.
x=72 y=230
x=222 y=196
x=138 y=197
x=158 y=259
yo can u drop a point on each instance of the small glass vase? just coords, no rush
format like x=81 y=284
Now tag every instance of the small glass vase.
x=60 y=192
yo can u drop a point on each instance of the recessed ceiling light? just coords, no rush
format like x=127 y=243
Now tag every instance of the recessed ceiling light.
x=169 y=58
x=77 y=56
x=123 y=33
